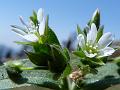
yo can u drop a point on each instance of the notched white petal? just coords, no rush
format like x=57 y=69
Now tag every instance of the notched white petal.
x=89 y=55
x=107 y=51
x=30 y=37
x=42 y=27
x=18 y=32
x=40 y=15
x=105 y=40
x=81 y=40
x=92 y=34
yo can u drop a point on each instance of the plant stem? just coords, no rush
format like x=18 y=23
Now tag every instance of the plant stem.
x=34 y=68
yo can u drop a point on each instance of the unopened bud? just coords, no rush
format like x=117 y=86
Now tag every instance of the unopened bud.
x=76 y=75
x=96 y=13
x=96 y=18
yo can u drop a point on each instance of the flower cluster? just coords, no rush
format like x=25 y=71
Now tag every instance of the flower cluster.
x=32 y=32
x=93 y=48
x=47 y=51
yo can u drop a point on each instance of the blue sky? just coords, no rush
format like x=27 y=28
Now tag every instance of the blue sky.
x=64 y=16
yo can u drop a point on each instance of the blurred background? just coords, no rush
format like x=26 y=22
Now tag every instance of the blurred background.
x=64 y=16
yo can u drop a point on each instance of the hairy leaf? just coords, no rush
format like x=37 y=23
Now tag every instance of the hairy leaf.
x=42 y=78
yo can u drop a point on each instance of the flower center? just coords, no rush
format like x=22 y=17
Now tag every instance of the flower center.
x=91 y=49
x=32 y=28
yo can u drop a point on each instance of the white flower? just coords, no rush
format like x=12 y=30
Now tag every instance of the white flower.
x=29 y=33
x=91 y=47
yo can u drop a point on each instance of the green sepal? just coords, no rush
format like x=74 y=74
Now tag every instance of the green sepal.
x=79 y=31
x=100 y=33
x=33 y=18
x=79 y=54
x=26 y=43
x=92 y=62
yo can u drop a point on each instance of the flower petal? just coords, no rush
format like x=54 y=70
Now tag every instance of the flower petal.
x=81 y=40
x=107 y=51
x=42 y=27
x=87 y=28
x=40 y=15
x=18 y=32
x=30 y=37
x=105 y=40
x=89 y=55
x=92 y=35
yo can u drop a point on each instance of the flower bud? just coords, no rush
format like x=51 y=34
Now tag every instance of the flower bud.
x=96 y=18
x=76 y=75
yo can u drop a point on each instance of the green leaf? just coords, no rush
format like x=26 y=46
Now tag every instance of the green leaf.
x=51 y=37
x=43 y=82
x=40 y=59
x=107 y=75
x=58 y=61
x=100 y=33
x=3 y=73
x=6 y=84
x=42 y=78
